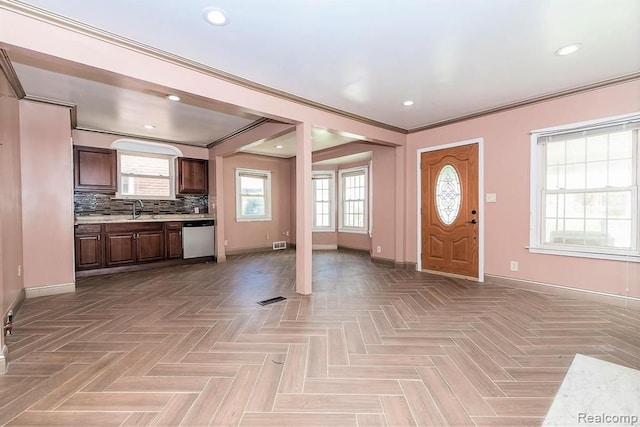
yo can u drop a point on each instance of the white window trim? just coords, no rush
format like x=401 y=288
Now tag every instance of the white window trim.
x=332 y=202
x=355 y=230
x=267 y=196
x=535 y=244
x=171 y=178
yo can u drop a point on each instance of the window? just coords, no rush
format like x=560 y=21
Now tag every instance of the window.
x=145 y=175
x=253 y=195
x=354 y=196
x=323 y=201
x=586 y=199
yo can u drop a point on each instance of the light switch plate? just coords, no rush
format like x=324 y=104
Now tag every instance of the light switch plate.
x=490 y=198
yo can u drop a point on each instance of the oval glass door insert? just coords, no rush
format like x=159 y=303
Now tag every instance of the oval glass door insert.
x=448 y=194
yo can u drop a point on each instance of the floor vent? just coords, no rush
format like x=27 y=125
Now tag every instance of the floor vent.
x=279 y=245
x=271 y=300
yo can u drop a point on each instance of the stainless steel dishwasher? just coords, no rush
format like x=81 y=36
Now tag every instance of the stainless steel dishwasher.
x=198 y=239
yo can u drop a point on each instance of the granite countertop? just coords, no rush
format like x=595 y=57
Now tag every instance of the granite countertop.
x=98 y=219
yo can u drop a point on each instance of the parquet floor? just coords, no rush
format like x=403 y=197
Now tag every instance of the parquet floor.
x=372 y=346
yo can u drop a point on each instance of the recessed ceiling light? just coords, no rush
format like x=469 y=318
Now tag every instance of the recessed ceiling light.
x=215 y=16
x=149 y=127
x=408 y=103
x=172 y=97
x=279 y=146
x=568 y=49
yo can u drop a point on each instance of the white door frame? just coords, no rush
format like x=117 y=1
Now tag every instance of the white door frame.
x=480 y=142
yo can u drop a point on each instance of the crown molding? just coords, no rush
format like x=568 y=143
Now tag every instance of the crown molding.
x=7 y=68
x=530 y=101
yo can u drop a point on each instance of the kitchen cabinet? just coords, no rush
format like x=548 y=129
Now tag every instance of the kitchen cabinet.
x=192 y=176
x=130 y=243
x=173 y=233
x=94 y=169
x=89 y=247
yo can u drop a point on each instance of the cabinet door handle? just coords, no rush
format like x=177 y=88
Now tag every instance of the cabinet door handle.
x=98 y=237
x=179 y=233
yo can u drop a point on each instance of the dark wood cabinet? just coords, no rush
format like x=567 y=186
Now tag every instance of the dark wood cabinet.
x=89 y=248
x=95 y=169
x=120 y=249
x=173 y=233
x=150 y=246
x=192 y=176
x=129 y=243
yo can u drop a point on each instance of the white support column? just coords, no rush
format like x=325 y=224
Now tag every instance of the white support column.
x=303 y=209
x=401 y=240
x=219 y=209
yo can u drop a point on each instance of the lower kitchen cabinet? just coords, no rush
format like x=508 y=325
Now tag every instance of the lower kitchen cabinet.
x=121 y=246
x=129 y=243
x=173 y=233
x=89 y=248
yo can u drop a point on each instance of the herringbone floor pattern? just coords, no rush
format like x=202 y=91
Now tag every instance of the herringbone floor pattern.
x=372 y=346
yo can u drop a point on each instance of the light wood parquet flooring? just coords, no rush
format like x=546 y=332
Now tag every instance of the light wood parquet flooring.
x=373 y=346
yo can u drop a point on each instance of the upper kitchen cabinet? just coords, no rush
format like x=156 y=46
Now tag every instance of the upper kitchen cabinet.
x=192 y=177
x=95 y=169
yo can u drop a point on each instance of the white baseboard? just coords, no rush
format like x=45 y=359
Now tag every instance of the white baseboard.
x=585 y=294
x=3 y=359
x=324 y=247
x=41 y=291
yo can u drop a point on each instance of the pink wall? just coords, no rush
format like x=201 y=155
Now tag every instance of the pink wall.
x=47 y=194
x=506 y=173
x=103 y=140
x=11 y=206
x=247 y=235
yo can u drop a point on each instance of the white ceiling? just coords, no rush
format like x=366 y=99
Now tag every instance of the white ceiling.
x=365 y=57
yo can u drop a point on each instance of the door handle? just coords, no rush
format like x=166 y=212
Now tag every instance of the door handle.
x=473 y=221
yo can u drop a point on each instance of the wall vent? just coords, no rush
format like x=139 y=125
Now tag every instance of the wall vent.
x=279 y=245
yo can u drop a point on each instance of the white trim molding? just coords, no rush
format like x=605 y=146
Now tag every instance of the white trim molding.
x=480 y=142
x=628 y=302
x=41 y=291
x=324 y=247
x=4 y=357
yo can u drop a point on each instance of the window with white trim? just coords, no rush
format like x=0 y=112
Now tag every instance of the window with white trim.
x=323 y=201
x=145 y=175
x=253 y=195
x=586 y=200
x=354 y=200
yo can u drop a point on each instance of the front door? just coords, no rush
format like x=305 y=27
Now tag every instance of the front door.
x=450 y=210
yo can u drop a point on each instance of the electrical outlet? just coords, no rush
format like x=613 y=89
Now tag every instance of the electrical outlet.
x=378 y=249
x=226 y=242
x=196 y=210
x=19 y=270
x=514 y=266
x=287 y=233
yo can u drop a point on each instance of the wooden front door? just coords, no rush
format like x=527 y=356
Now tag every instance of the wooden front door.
x=450 y=210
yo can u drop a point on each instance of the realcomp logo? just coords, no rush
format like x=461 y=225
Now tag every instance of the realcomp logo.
x=625 y=420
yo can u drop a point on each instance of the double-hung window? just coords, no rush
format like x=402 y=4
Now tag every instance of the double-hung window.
x=586 y=189
x=253 y=195
x=354 y=200
x=323 y=201
x=145 y=175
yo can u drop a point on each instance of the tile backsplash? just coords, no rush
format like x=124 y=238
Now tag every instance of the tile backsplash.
x=104 y=204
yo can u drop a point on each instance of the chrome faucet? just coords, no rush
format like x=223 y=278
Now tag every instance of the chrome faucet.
x=135 y=216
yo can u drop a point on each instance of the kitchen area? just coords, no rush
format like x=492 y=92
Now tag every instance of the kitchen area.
x=116 y=232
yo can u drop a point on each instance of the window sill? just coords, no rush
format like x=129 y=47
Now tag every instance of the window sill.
x=583 y=254
x=253 y=219
x=343 y=230
x=121 y=197
x=323 y=230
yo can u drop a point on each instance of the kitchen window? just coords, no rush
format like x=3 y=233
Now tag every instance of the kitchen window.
x=253 y=195
x=323 y=201
x=354 y=200
x=145 y=175
x=585 y=189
